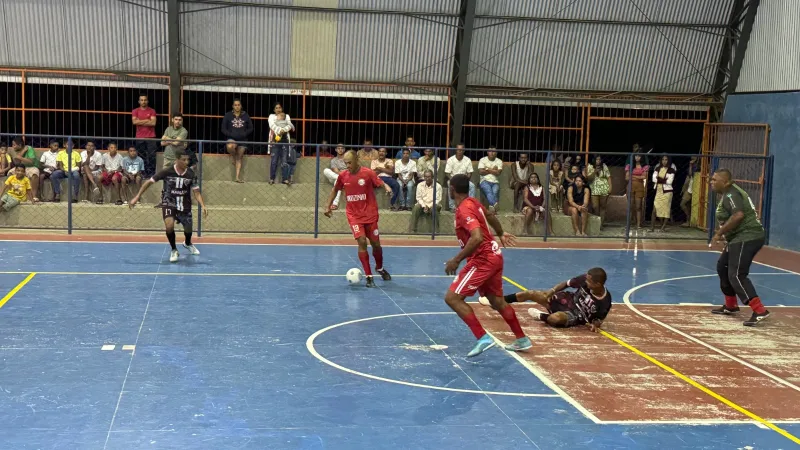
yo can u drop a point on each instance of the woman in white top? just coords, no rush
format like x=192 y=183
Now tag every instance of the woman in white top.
x=280 y=127
x=663 y=176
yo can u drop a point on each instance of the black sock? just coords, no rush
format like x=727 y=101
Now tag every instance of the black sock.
x=511 y=298
x=187 y=236
x=171 y=239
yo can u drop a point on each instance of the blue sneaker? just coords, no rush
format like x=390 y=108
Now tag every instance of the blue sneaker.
x=484 y=343
x=523 y=343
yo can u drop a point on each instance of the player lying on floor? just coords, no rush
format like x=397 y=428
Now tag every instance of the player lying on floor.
x=588 y=304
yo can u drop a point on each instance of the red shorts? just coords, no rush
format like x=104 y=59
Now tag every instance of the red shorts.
x=369 y=230
x=480 y=276
x=107 y=177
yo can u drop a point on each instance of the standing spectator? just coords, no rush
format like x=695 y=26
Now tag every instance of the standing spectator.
x=132 y=169
x=459 y=164
x=368 y=152
x=172 y=140
x=280 y=125
x=5 y=161
x=638 y=185
x=112 y=171
x=144 y=118
x=337 y=166
x=425 y=203
x=410 y=145
x=520 y=173
x=429 y=161
x=406 y=170
x=490 y=167
x=578 y=197
x=49 y=162
x=384 y=167
x=16 y=188
x=25 y=155
x=92 y=169
x=686 y=193
x=663 y=176
x=237 y=126
x=556 y=185
x=68 y=165
x=535 y=205
x=600 y=184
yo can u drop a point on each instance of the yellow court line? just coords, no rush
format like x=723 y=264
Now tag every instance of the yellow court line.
x=198 y=274
x=688 y=380
x=16 y=289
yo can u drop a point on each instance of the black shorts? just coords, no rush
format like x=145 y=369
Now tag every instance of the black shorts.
x=563 y=302
x=182 y=217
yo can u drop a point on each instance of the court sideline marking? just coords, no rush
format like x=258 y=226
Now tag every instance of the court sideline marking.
x=201 y=274
x=16 y=289
x=682 y=377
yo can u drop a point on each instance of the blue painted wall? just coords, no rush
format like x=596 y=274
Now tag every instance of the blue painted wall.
x=782 y=112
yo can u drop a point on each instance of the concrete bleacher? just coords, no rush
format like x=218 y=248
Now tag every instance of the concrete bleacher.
x=256 y=206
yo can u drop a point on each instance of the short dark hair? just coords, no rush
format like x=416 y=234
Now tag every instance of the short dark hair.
x=179 y=153
x=460 y=183
x=17 y=140
x=177 y=115
x=725 y=172
x=598 y=275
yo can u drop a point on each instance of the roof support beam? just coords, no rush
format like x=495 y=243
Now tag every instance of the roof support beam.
x=466 y=21
x=174 y=44
x=510 y=19
x=737 y=36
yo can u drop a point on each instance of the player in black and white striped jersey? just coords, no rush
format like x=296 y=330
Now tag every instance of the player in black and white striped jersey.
x=176 y=200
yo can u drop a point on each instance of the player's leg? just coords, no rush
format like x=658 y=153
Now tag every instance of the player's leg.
x=558 y=319
x=186 y=220
x=492 y=289
x=731 y=305
x=360 y=235
x=539 y=297
x=457 y=302
x=374 y=237
x=741 y=256
x=169 y=225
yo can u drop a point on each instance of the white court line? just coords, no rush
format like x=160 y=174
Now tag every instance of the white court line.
x=199 y=274
x=626 y=299
x=311 y=349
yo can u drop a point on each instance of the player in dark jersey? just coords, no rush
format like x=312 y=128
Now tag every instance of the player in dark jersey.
x=176 y=201
x=744 y=236
x=483 y=271
x=359 y=184
x=588 y=304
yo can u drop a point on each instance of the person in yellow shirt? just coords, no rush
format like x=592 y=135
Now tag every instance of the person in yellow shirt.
x=66 y=168
x=16 y=188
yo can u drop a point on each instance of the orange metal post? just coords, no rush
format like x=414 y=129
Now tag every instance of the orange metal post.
x=23 y=102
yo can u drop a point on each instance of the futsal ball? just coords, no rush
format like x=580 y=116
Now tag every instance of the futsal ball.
x=354 y=275
x=277 y=138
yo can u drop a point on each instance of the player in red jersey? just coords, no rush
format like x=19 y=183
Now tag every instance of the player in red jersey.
x=359 y=184
x=484 y=269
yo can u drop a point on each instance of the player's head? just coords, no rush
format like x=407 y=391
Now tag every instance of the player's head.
x=721 y=179
x=19 y=171
x=596 y=278
x=459 y=186
x=181 y=159
x=351 y=160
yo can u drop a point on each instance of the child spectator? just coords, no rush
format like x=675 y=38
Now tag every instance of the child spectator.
x=16 y=188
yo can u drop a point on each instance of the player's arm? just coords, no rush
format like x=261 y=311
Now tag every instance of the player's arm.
x=146 y=185
x=603 y=309
x=733 y=204
x=377 y=182
x=475 y=238
x=199 y=197
x=508 y=240
x=338 y=186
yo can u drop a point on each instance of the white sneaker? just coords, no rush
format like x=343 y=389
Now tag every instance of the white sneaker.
x=484 y=301
x=173 y=256
x=536 y=314
x=192 y=249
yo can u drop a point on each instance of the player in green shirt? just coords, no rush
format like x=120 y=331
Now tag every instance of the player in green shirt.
x=743 y=235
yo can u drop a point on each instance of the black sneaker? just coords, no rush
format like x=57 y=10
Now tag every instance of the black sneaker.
x=755 y=319
x=725 y=310
x=384 y=274
x=370 y=282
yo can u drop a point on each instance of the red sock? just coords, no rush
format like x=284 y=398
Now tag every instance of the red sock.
x=731 y=302
x=364 y=257
x=378 y=254
x=510 y=316
x=755 y=304
x=474 y=325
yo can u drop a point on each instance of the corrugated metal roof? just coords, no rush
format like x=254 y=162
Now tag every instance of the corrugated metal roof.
x=668 y=11
x=395 y=48
x=427 y=6
x=86 y=34
x=772 y=59
x=577 y=56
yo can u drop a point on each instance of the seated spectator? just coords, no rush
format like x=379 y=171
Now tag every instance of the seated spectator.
x=132 y=169
x=535 y=208
x=384 y=167
x=520 y=173
x=323 y=150
x=5 y=161
x=237 y=127
x=69 y=165
x=429 y=161
x=578 y=197
x=16 y=188
x=406 y=170
x=112 y=171
x=600 y=184
x=413 y=153
x=459 y=164
x=556 y=185
x=25 y=155
x=367 y=153
x=425 y=201
x=569 y=175
x=332 y=174
x=49 y=163
x=490 y=167
x=91 y=172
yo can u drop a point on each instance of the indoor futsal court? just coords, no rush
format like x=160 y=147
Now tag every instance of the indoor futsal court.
x=109 y=346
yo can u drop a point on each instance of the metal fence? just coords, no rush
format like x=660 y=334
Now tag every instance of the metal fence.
x=533 y=192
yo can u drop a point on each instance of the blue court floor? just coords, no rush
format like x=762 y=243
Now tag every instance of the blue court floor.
x=110 y=346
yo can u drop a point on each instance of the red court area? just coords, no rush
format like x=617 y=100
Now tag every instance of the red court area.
x=616 y=384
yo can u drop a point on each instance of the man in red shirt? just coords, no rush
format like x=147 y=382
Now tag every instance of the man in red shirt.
x=359 y=184
x=484 y=269
x=144 y=119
